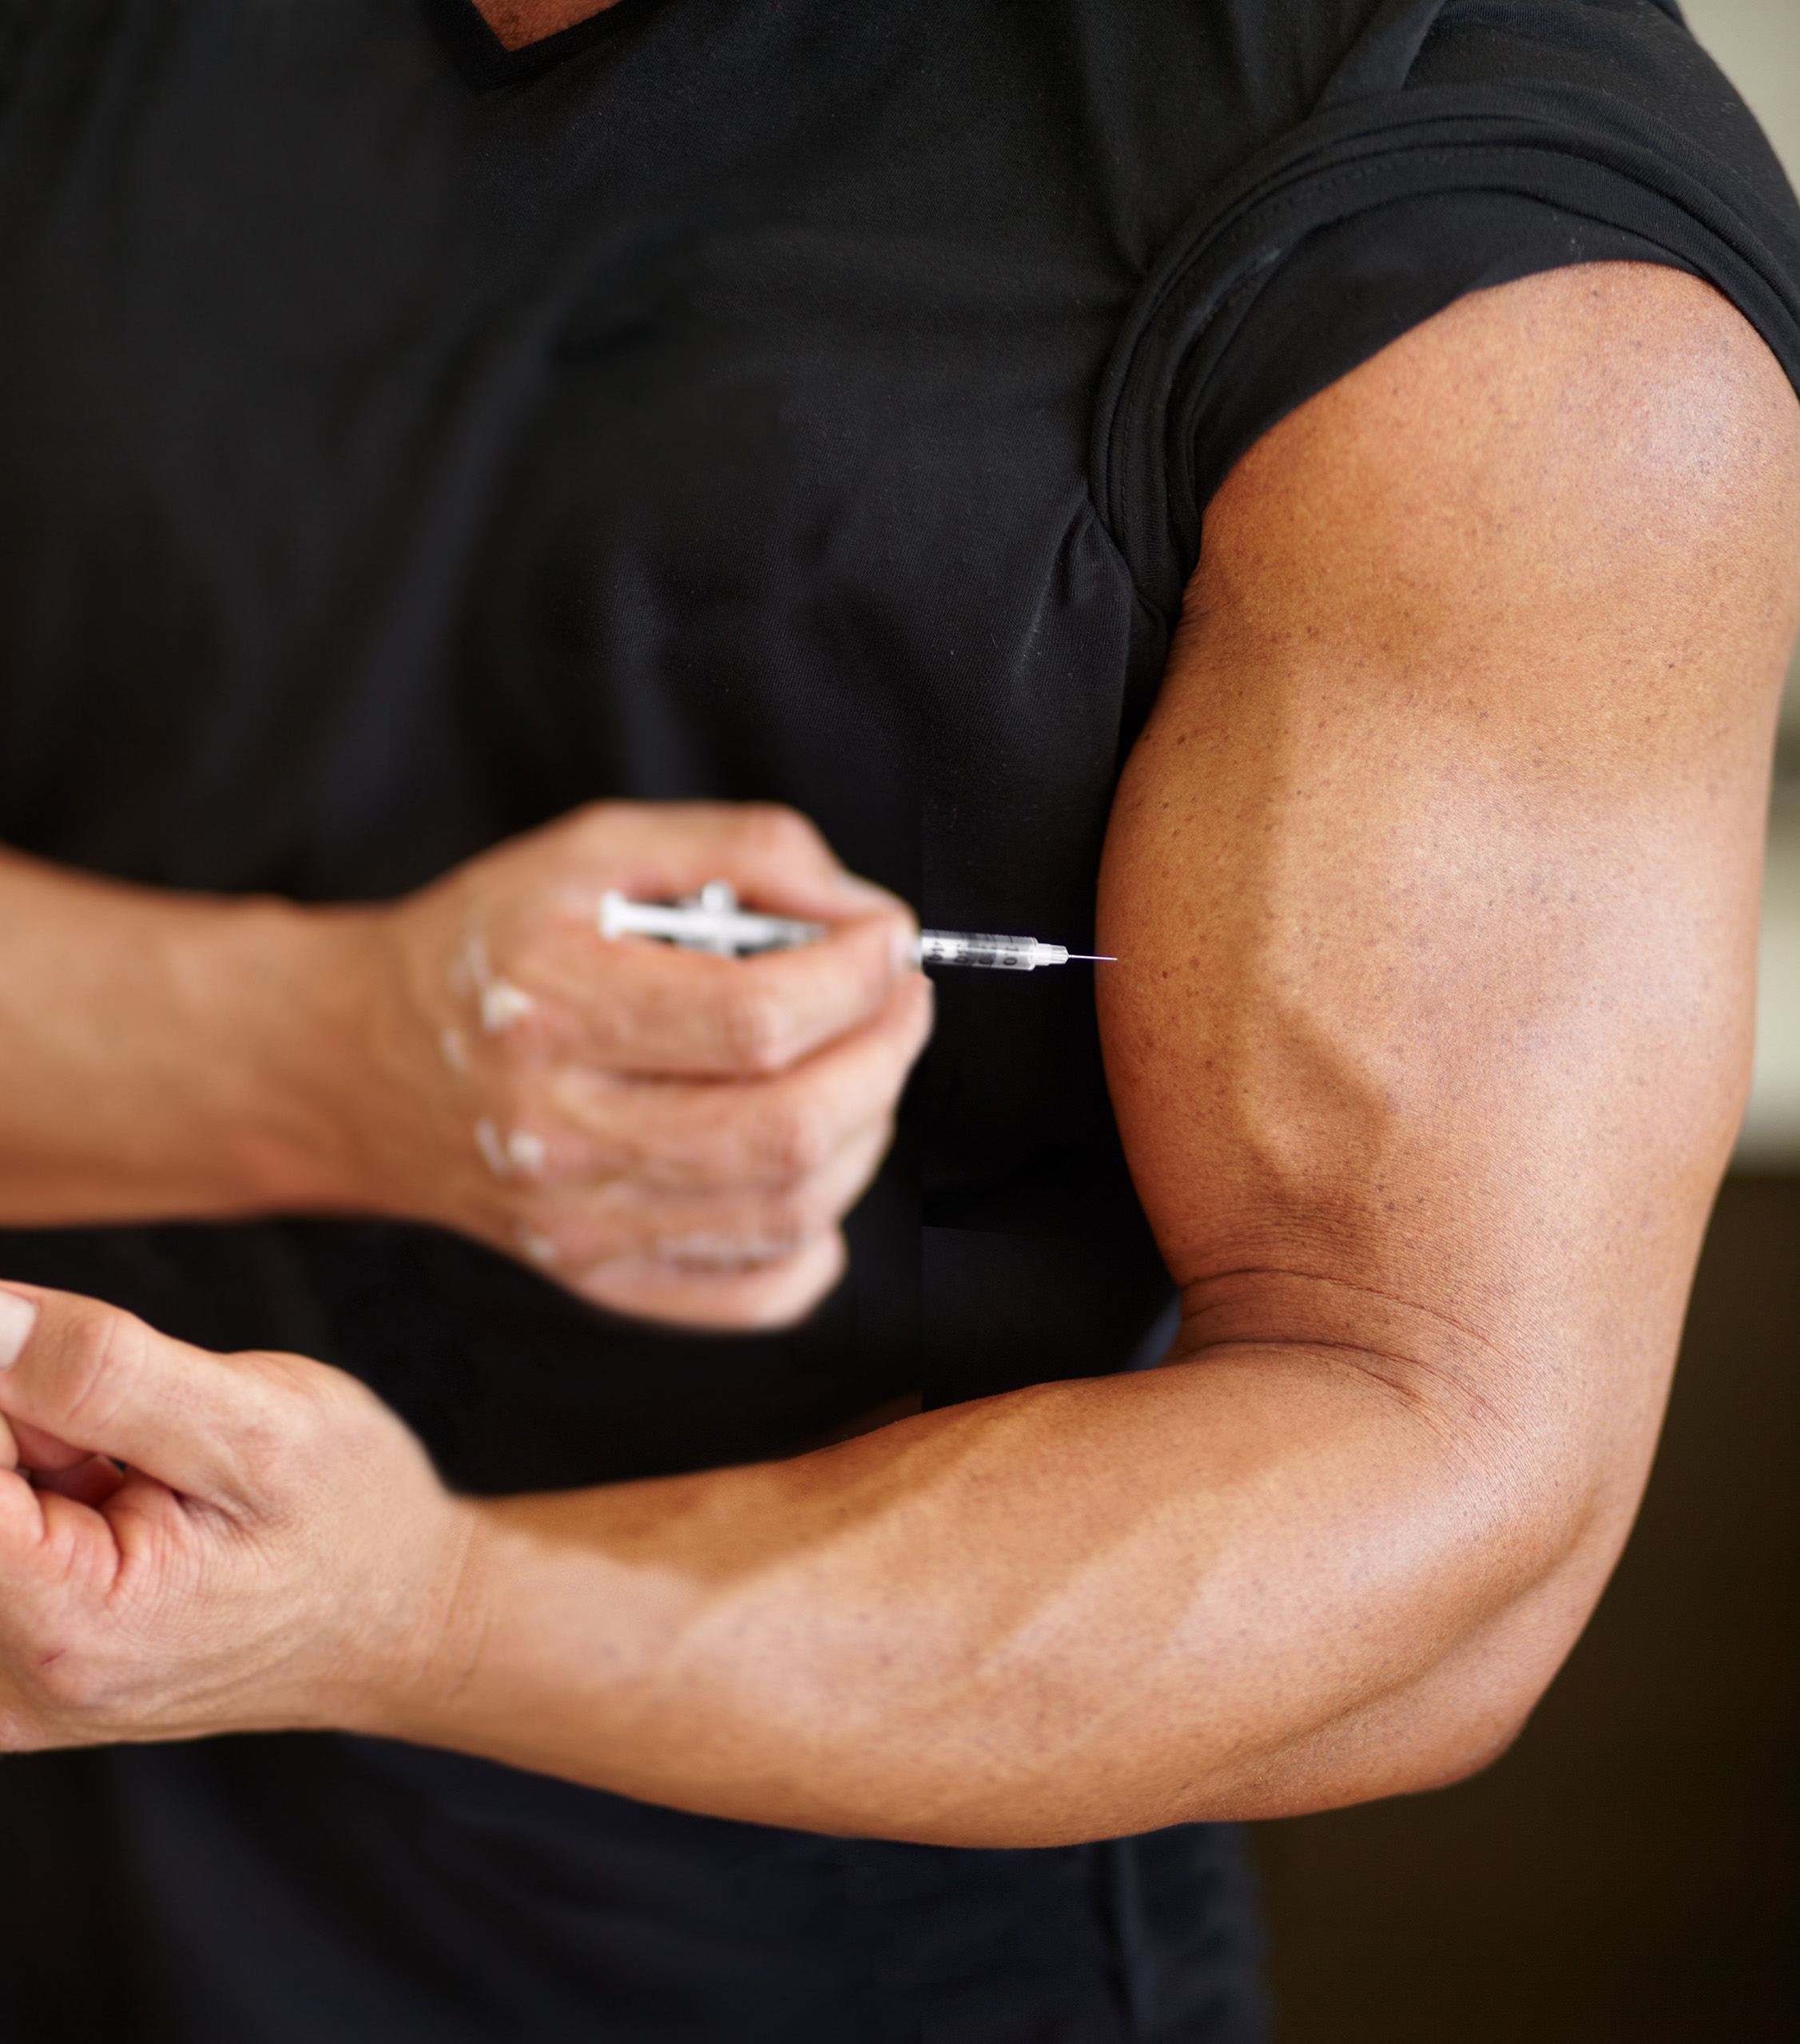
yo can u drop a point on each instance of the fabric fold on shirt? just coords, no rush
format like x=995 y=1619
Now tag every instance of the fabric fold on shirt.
x=1605 y=178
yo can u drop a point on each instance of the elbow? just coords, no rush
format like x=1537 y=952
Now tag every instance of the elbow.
x=1407 y=1747
x=1444 y=1727
x=1469 y=1708
x=1461 y=1709
x=1470 y=1750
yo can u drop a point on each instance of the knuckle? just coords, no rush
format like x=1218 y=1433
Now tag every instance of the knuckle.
x=52 y=1681
x=562 y=1233
x=797 y=1216
x=543 y=1243
x=754 y=1026
x=77 y=1675
x=308 y=1401
x=797 y=1142
x=100 y=1355
x=71 y=1684
x=592 y=822
x=271 y=1451
x=300 y=1422
x=774 y=832
x=785 y=1293
x=585 y=841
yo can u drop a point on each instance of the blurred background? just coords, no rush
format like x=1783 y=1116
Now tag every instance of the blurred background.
x=1629 y=1873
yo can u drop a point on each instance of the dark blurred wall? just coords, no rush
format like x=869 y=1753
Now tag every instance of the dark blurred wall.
x=1628 y=1872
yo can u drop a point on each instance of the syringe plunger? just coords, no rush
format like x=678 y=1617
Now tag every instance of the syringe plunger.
x=708 y=921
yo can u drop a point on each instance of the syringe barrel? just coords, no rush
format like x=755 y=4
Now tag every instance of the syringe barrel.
x=984 y=947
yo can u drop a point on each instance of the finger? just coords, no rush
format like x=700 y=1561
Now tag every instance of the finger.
x=93 y=1481
x=54 y=1466
x=758 y=1299
x=102 y=1382
x=649 y=1010
x=723 y=1231
x=682 y=1136
x=41 y=1452
x=774 y=857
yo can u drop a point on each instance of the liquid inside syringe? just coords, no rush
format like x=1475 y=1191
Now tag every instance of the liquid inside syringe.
x=712 y=921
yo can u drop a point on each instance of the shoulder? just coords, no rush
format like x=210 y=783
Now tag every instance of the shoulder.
x=1583 y=424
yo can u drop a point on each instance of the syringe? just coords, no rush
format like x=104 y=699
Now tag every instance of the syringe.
x=712 y=921
x=998 y=954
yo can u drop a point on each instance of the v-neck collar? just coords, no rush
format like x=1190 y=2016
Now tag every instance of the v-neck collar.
x=485 y=61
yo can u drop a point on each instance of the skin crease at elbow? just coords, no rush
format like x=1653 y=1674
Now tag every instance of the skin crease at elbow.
x=1427 y=1043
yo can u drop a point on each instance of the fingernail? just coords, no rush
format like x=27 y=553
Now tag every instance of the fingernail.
x=17 y=1317
x=905 y=949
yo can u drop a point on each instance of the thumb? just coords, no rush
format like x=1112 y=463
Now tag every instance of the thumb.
x=101 y=1380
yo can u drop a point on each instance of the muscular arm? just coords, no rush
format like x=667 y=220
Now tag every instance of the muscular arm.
x=1434 y=882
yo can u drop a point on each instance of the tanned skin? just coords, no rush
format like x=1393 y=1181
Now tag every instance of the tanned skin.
x=1433 y=884
x=518 y=23
x=670 y=1135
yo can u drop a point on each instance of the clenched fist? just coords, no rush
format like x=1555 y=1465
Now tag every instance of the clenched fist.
x=669 y=1134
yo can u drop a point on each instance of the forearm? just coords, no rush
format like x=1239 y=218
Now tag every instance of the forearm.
x=1263 y=1581
x=672 y=1135
x=154 y=1050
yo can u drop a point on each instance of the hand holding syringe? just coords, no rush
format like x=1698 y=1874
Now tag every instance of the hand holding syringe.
x=712 y=921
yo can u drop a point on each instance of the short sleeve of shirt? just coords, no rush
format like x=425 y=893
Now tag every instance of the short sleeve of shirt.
x=1461 y=143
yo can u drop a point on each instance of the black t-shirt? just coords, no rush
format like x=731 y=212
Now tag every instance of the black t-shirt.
x=401 y=443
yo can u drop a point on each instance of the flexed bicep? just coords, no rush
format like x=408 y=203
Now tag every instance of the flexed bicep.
x=1434 y=877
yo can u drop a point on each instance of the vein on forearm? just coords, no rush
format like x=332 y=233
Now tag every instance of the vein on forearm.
x=1078 y=1598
